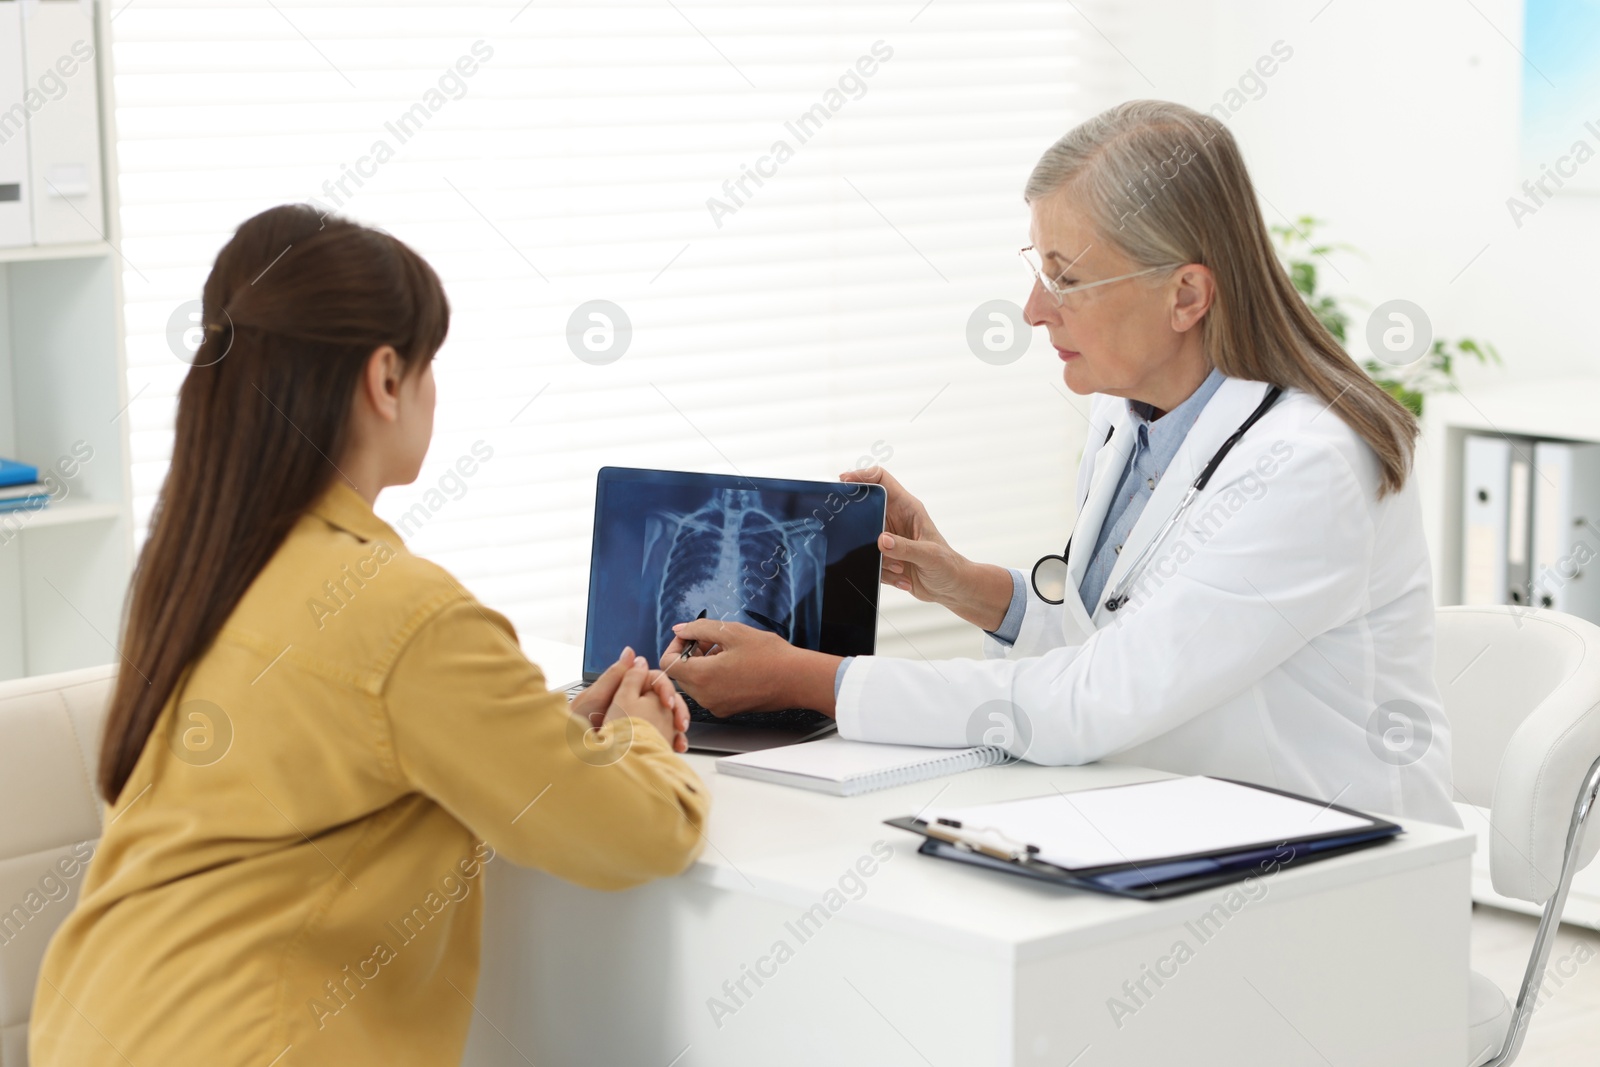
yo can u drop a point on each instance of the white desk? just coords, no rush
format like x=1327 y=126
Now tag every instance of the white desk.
x=1357 y=960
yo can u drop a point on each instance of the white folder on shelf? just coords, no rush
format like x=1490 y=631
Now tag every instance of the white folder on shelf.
x=1566 y=530
x=1519 y=523
x=1496 y=521
x=64 y=139
x=1486 y=479
x=16 y=218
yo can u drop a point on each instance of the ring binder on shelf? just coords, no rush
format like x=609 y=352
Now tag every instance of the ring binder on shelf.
x=68 y=200
x=16 y=210
x=1566 y=523
x=1497 y=518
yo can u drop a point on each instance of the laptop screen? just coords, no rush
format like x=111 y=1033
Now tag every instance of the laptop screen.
x=798 y=558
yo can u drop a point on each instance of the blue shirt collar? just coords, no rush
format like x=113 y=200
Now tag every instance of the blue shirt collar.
x=1163 y=436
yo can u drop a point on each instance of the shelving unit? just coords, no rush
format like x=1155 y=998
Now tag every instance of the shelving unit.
x=36 y=253
x=1565 y=409
x=70 y=511
x=1554 y=409
x=63 y=384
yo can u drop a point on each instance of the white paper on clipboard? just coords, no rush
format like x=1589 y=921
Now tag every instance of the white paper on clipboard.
x=1151 y=821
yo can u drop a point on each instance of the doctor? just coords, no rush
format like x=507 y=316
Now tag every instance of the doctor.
x=1246 y=591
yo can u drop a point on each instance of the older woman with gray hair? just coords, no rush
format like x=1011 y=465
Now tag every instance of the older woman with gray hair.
x=1246 y=589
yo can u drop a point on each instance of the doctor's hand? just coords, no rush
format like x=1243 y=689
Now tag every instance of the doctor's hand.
x=734 y=668
x=917 y=558
x=629 y=689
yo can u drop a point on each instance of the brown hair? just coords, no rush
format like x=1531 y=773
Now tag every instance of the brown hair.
x=295 y=305
x=1167 y=185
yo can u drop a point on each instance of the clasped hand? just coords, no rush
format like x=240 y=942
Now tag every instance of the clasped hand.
x=629 y=689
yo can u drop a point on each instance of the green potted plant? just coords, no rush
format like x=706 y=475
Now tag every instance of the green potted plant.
x=1434 y=372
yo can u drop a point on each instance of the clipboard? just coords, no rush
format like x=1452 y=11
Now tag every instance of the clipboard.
x=1154 y=879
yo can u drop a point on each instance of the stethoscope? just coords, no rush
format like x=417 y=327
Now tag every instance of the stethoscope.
x=1050 y=572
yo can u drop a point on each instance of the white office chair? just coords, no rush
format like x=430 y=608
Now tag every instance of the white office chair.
x=1521 y=690
x=49 y=737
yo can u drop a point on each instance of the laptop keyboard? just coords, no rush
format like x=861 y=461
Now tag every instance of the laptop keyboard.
x=794 y=718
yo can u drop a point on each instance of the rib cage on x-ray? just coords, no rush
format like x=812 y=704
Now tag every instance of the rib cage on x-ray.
x=733 y=559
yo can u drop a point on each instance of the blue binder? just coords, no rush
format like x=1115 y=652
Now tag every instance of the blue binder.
x=14 y=473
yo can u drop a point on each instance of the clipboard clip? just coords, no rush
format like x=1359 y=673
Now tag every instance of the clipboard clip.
x=985 y=840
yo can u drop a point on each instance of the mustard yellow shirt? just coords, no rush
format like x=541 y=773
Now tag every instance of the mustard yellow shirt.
x=294 y=872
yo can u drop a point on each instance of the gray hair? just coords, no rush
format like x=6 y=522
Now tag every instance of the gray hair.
x=1166 y=185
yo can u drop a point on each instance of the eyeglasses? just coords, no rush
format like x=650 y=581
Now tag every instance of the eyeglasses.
x=1059 y=292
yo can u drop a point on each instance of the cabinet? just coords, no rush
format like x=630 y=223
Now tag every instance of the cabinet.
x=64 y=570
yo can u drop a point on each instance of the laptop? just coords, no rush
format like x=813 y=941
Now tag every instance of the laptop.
x=797 y=558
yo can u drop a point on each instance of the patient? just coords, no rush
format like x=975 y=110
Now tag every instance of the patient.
x=318 y=742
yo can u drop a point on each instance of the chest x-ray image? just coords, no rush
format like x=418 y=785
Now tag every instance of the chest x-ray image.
x=732 y=558
x=799 y=559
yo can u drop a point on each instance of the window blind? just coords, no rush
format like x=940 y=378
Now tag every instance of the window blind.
x=798 y=207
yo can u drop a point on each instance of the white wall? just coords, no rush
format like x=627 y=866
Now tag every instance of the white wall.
x=575 y=163
x=1397 y=122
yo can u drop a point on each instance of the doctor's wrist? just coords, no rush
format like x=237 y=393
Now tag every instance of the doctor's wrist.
x=806 y=680
x=983 y=595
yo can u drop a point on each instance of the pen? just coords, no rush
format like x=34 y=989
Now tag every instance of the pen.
x=769 y=623
x=689 y=645
x=952 y=832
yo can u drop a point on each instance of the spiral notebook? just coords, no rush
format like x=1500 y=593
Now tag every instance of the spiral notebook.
x=846 y=768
